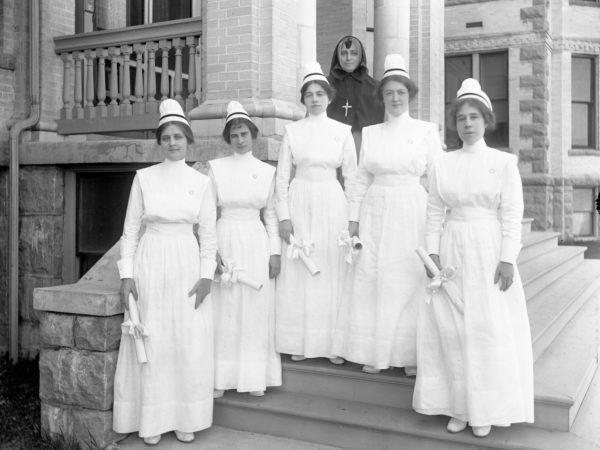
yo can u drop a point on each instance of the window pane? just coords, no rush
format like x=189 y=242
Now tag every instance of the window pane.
x=580 y=125
x=101 y=206
x=493 y=75
x=163 y=10
x=135 y=13
x=583 y=199
x=581 y=79
x=457 y=69
x=582 y=224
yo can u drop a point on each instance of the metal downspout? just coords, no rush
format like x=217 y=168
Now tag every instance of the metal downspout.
x=13 y=163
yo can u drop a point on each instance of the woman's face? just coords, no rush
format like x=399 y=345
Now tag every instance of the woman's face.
x=240 y=138
x=470 y=124
x=395 y=98
x=349 y=58
x=315 y=99
x=173 y=143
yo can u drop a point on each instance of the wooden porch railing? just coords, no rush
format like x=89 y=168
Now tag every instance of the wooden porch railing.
x=114 y=80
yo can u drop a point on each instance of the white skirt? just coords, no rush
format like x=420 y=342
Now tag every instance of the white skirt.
x=476 y=367
x=307 y=306
x=245 y=356
x=377 y=324
x=174 y=390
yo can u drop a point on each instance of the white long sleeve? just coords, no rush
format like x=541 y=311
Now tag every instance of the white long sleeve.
x=511 y=212
x=207 y=231
x=362 y=180
x=282 y=179
x=436 y=212
x=272 y=223
x=131 y=230
x=349 y=163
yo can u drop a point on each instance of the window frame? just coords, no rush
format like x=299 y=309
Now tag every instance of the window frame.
x=594 y=213
x=476 y=73
x=593 y=132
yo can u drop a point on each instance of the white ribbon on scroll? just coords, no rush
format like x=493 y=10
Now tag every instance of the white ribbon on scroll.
x=353 y=245
x=302 y=250
x=136 y=329
x=442 y=279
x=232 y=274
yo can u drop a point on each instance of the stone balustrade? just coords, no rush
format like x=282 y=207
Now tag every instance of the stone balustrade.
x=80 y=331
x=113 y=80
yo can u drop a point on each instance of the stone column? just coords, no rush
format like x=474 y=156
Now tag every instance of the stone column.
x=251 y=54
x=392 y=31
x=80 y=331
x=307 y=33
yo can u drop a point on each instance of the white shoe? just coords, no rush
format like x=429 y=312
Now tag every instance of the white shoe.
x=370 y=369
x=218 y=393
x=256 y=393
x=184 y=437
x=152 y=440
x=456 y=425
x=410 y=371
x=481 y=431
x=298 y=357
x=337 y=360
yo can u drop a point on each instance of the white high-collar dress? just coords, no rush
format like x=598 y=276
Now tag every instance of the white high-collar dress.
x=245 y=356
x=307 y=306
x=174 y=389
x=377 y=324
x=476 y=366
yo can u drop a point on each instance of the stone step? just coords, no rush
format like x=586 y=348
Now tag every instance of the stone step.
x=557 y=303
x=564 y=372
x=526 y=225
x=536 y=244
x=221 y=438
x=355 y=425
x=540 y=272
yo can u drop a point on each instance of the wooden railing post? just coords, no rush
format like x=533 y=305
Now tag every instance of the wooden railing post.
x=78 y=109
x=67 y=109
x=192 y=98
x=90 y=111
x=113 y=108
x=164 y=46
x=126 y=90
x=151 y=104
x=101 y=53
x=138 y=89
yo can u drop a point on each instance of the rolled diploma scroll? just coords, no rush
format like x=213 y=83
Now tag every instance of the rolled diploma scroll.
x=353 y=244
x=134 y=316
x=232 y=274
x=439 y=279
x=299 y=251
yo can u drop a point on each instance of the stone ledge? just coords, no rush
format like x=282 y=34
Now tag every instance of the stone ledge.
x=130 y=151
x=87 y=299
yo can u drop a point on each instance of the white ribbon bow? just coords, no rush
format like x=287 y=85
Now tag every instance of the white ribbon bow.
x=230 y=273
x=353 y=244
x=137 y=330
x=296 y=247
x=445 y=280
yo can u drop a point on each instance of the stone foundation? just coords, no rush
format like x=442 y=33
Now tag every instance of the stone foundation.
x=79 y=334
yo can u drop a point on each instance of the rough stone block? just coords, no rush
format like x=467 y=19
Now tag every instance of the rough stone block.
x=40 y=245
x=98 y=333
x=3 y=242
x=56 y=330
x=78 y=377
x=55 y=420
x=532 y=53
x=41 y=190
x=3 y=191
x=92 y=427
x=29 y=340
x=26 y=286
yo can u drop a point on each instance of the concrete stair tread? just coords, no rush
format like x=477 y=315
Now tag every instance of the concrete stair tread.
x=222 y=438
x=552 y=307
x=588 y=417
x=539 y=272
x=564 y=372
x=536 y=244
x=356 y=416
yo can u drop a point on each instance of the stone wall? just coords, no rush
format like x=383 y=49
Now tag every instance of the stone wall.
x=80 y=331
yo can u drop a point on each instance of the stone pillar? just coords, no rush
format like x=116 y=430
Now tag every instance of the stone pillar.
x=80 y=331
x=251 y=54
x=392 y=31
x=307 y=34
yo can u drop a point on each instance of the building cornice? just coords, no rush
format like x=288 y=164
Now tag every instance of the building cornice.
x=482 y=42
